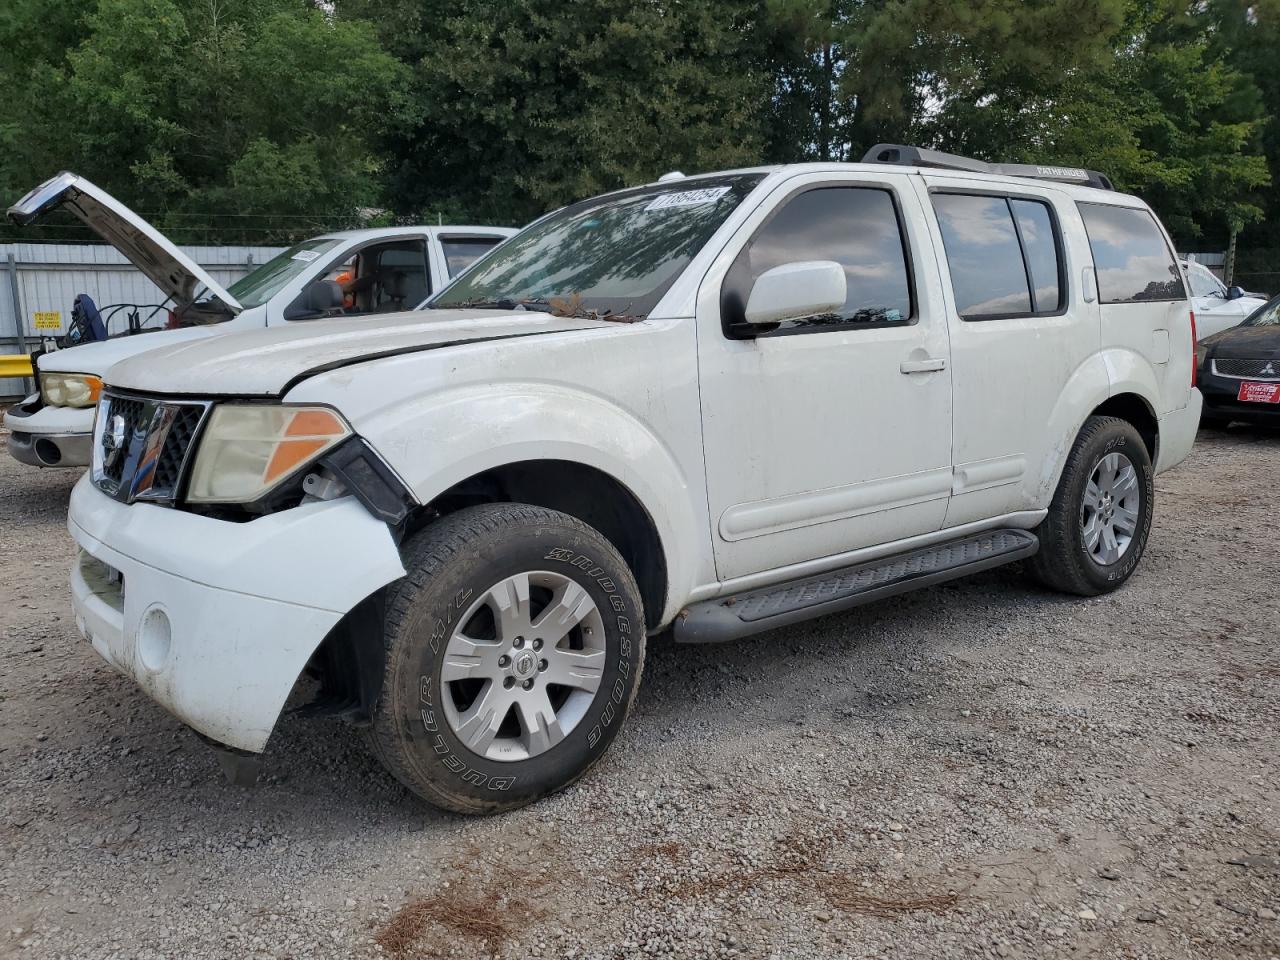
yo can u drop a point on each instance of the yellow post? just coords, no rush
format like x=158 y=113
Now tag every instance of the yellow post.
x=15 y=365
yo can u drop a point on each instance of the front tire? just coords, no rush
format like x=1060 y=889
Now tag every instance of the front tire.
x=514 y=649
x=1100 y=517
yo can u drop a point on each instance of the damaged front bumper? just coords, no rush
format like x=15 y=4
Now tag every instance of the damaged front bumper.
x=215 y=620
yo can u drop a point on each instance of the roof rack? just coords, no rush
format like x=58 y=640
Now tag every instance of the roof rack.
x=919 y=157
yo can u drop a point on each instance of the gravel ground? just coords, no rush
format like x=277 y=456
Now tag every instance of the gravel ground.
x=978 y=770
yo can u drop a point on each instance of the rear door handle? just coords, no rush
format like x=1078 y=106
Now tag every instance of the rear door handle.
x=924 y=366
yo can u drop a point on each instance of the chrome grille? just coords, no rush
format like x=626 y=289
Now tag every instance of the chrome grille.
x=177 y=446
x=141 y=445
x=1248 y=369
x=132 y=413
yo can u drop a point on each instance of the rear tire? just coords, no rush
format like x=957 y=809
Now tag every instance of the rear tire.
x=1100 y=517
x=514 y=649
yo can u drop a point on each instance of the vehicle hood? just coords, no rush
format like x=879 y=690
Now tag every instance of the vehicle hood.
x=176 y=274
x=269 y=361
x=1246 y=343
x=99 y=357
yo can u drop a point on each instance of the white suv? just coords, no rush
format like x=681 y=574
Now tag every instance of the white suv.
x=717 y=404
x=384 y=269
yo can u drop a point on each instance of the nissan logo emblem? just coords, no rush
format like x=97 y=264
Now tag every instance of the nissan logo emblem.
x=113 y=439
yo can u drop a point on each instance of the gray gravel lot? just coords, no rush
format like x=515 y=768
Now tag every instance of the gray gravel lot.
x=979 y=770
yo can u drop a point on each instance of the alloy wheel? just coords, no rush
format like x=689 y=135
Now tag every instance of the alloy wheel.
x=523 y=666
x=1109 y=513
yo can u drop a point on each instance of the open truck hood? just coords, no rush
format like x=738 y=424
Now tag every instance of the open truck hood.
x=180 y=277
x=270 y=360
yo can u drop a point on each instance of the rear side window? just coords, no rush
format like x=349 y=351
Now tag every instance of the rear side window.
x=1133 y=260
x=462 y=252
x=1003 y=253
x=858 y=228
x=1040 y=251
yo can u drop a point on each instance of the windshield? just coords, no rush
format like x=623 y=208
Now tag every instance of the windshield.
x=615 y=254
x=258 y=286
x=1268 y=315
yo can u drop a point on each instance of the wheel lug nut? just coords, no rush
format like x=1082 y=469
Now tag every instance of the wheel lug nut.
x=504 y=661
x=528 y=684
x=509 y=682
x=518 y=642
x=542 y=664
x=537 y=644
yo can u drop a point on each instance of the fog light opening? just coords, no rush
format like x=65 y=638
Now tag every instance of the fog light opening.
x=48 y=452
x=155 y=636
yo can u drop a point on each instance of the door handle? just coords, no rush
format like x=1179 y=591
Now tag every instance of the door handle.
x=924 y=366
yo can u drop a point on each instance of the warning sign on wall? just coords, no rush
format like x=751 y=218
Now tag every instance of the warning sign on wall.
x=47 y=319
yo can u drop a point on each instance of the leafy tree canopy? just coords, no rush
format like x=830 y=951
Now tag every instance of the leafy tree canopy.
x=253 y=117
x=267 y=119
x=528 y=104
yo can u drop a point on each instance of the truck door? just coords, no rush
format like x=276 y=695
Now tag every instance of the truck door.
x=1014 y=259
x=830 y=433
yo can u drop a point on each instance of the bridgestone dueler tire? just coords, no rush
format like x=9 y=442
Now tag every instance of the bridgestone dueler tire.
x=1062 y=562
x=449 y=564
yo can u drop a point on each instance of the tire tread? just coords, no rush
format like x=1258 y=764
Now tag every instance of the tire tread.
x=1056 y=565
x=423 y=556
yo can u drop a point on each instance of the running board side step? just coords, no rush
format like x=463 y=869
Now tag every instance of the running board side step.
x=728 y=618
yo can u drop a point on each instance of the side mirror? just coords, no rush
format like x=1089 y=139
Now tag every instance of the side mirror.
x=1235 y=293
x=316 y=300
x=796 y=290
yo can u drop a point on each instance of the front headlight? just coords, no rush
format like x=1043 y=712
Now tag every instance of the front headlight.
x=70 y=389
x=247 y=449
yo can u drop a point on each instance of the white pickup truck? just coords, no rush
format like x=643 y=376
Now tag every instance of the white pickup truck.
x=712 y=405
x=382 y=270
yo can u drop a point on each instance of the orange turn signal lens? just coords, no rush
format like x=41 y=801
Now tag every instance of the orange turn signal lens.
x=309 y=432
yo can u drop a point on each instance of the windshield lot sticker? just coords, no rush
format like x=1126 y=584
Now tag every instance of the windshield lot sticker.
x=687 y=198
x=306 y=256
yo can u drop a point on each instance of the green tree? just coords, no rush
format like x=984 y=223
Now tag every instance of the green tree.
x=1172 y=119
x=866 y=71
x=1247 y=35
x=224 y=119
x=525 y=105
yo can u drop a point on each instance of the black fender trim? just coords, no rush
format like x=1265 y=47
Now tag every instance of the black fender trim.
x=372 y=482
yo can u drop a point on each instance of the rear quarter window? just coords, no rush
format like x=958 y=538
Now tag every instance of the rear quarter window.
x=1004 y=255
x=1132 y=257
x=461 y=252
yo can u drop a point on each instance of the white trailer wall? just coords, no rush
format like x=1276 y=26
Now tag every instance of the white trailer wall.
x=48 y=276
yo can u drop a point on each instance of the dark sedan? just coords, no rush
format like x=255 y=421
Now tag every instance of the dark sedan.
x=1239 y=370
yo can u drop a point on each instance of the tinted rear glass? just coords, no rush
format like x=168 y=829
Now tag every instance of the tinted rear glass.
x=987 y=273
x=1133 y=261
x=1040 y=246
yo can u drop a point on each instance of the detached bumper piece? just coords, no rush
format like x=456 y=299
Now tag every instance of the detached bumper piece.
x=728 y=618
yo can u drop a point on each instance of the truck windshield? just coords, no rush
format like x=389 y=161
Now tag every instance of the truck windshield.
x=618 y=254
x=260 y=285
x=1267 y=315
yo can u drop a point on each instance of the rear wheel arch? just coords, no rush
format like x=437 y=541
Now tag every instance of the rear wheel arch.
x=1132 y=408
